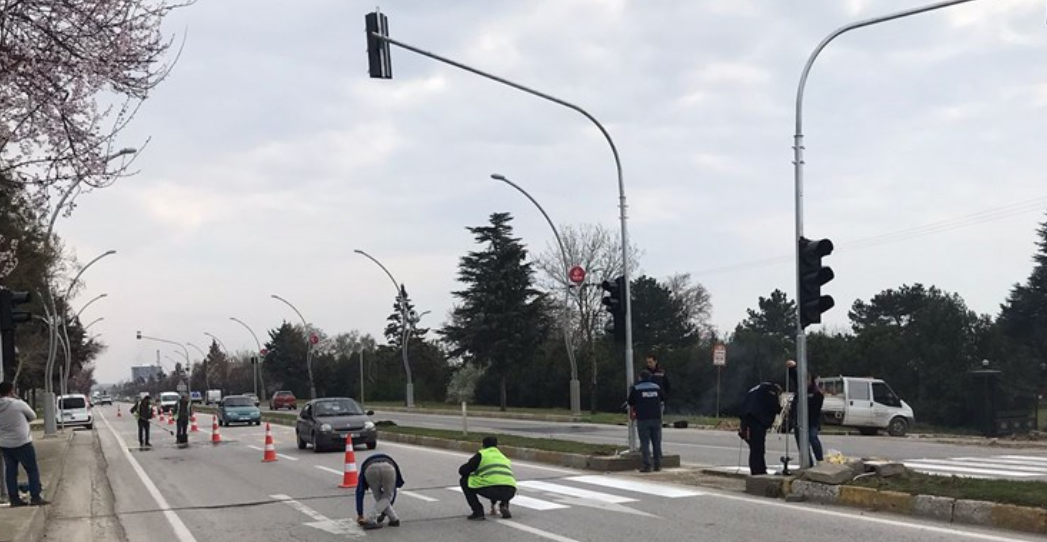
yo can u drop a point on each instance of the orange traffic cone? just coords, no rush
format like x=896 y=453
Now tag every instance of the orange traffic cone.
x=349 y=478
x=171 y=419
x=270 y=450
x=118 y=415
x=215 y=437
x=193 y=428
x=161 y=415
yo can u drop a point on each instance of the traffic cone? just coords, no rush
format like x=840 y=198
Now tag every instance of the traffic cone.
x=171 y=420
x=270 y=450
x=215 y=437
x=118 y=415
x=193 y=428
x=349 y=478
x=161 y=415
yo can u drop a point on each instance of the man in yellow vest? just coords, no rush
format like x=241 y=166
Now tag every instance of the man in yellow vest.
x=488 y=474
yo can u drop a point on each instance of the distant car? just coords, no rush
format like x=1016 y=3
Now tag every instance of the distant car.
x=169 y=400
x=105 y=400
x=238 y=409
x=75 y=410
x=283 y=399
x=196 y=397
x=327 y=423
x=253 y=398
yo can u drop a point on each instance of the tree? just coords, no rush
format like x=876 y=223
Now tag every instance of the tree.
x=660 y=319
x=217 y=364
x=1023 y=318
x=696 y=301
x=499 y=319
x=285 y=365
x=394 y=329
x=776 y=317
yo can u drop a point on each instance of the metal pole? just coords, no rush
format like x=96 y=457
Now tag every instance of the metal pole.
x=409 y=399
x=621 y=197
x=798 y=162
x=718 y=392
x=65 y=324
x=185 y=352
x=203 y=360
x=308 y=346
x=258 y=351
x=88 y=304
x=361 y=375
x=575 y=387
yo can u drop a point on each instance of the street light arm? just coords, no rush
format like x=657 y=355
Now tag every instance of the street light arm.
x=257 y=343
x=217 y=340
x=305 y=325
x=93 y=322
x=84 y=268
x=88 y=304
x=556 y=233
x=396 y=284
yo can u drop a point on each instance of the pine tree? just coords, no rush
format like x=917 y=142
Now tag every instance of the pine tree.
x=394 y=329
x=1023 y=318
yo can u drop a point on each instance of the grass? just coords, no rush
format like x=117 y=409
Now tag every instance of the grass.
x=1019 y=493
x=551 y=445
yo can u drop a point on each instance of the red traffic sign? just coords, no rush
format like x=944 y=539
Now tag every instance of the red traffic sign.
x=314 y=338
x=264 y=352
x=720 y=355
x=576 y=274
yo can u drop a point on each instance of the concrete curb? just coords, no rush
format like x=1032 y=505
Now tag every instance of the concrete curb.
x=487 y=414
x=33 y=530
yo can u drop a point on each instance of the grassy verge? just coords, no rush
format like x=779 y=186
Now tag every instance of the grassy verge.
x=551 y=445
x=1001 y=491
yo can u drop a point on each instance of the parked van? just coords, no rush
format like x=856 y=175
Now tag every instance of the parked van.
x=75 y=410
x=867 y=404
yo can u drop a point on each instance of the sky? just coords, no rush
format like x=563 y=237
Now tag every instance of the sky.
x=273 y=156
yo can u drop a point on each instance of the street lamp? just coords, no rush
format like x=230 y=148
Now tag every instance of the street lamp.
x=258 y=352
x=65 y=324
x=308 y=344
x=88 y=304
x=203 y=359
x=798 y=163
x=93 y=322
x=575 y=386
x=185 y=351
x=401 y=297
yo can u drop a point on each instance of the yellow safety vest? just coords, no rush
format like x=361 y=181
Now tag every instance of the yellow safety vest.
x=494 y=470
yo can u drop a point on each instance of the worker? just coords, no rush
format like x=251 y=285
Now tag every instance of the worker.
x=381 y=475
x=760 y=407
x=183 y=412
x=143 y=411
x=815 y=400
x=646 y=399
x=488 y=474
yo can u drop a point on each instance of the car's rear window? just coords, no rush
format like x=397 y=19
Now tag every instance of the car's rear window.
x=73 y=402
x=239 y=401
x=284 y=394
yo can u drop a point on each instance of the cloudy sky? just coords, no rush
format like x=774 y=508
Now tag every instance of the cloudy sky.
x=273 y=156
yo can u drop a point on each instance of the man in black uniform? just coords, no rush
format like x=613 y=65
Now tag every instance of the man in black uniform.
x=759 y=409
x=815 y=400
x=646 y=398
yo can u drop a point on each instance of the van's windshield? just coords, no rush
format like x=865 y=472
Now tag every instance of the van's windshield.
x=72 y=402
x=172 y=397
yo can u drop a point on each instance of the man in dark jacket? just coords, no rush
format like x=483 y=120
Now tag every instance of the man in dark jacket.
x=658 y=375
x=488 y=474
x=815 y=399
x=645 y=398
x=381 y=475
x=183 y=411
x=143 y=411
x=760 y=407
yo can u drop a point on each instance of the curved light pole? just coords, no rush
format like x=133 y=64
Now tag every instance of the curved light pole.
x=93 y=322
x=185 y=351
x=203 y=359
x=258 y=354
x=88 y=304
x=400 y=291
x=798 y=162
x=308 y=345
x=65 y=323
x=575 y=386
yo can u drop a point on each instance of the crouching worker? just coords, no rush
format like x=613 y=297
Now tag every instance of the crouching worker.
x=381 y=475
x=488 y=474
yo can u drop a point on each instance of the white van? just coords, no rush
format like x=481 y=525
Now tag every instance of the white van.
x=169 y=400
x=867 y=404
x=74 y=410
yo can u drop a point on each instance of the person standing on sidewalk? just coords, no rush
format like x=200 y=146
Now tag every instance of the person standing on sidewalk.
x=815 y=400
x=16 y=444
x=184 y=410
x=143 y=411
x=646 y=398
x=381 y=475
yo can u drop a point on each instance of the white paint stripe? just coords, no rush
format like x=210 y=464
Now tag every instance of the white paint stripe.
x=527 y=502
x=466 y=455
x=574 y=492
x=288 y=457
x=180 y=530
x=660 y=490
x=986 y=463
x=1000 y=461
x=329 y=469
x=534 y=531
x=916 y=465
x=418 y=496
x=1033 y=458
x=316 y=516
x=253 y=447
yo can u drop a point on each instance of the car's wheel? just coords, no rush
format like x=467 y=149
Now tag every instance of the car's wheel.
x=294 y=407
x=899 y=427
x=372 y=445
x=868 y=431
x=301 y=443
x=90 y=426
x=316 y=444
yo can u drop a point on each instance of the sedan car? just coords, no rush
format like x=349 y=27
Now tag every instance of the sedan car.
x=238 y=409
x=105 y=399
x=327 y=423
x=253 y=398
x=283 y=399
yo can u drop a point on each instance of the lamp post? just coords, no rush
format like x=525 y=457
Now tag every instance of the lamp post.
x=308 y=345
x=798 y=163
x=88 y=304
x=258 y=353
x=401 y=295
x=185 y=351
x=575 y=386
x=93 y=322
x=203 y=359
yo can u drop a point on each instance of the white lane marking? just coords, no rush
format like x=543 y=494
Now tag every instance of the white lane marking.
x=980 y=463
x=574 y=492
x=466 y=455
x=316 y=516
x=526 y=502
x=346 y=527
x=1000 y=460
x=288 y=457
x=418 y=496
x=916 y=465
x=329 y=469
x=534 y=531
x=1033 y=458
x=180 y=530
x=253 y=447
x=660 y=490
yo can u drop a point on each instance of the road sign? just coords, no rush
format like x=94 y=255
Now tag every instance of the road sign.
x=314 y=338
x=720 y=355
x=264 y=352
x=181 y=387
x=576 y=274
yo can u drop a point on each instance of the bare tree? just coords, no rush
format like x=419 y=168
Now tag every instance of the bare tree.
x=695 y=299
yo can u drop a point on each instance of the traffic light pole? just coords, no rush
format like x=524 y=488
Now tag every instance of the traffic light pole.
x=798 y=162
x=621 y=194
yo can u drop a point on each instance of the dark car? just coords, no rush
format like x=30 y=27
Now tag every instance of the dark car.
x=327 y=423
x=283 y=399
x=238 y=409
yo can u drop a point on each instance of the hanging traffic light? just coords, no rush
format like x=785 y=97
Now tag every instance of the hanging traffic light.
x=813 y=275
x=379 y=64
x=615 y=305
x=8 y=315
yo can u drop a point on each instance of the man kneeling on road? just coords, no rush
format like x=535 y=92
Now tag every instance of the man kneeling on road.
x=488 y=474
x=381 y=475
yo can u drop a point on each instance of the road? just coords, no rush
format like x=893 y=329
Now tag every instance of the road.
x=227 y=493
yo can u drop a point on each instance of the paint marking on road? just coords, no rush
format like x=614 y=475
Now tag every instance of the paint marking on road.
x=286 y=499
x=526 y=502
x=1001 y=460
x=418 y=496
x=985 y=462
x=329 y=469
x=1033 y=458
x=466 y=455
x=574 y=492
x=288 y=457
x=659 y=490
x=920 y=466
x=180 y=530
x=345 y=527
x=533 y=530
x=253 y=447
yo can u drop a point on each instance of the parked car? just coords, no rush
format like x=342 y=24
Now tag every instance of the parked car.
x=238 y=409
x=327 y=423
x=283 y=399
x=868 y=404
x=74 y=410
x=253 y=398
x=196 y=397
x=105 y=399
x=169 y=400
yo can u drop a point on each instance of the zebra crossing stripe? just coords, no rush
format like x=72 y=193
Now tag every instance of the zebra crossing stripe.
x=983 y=462
x=527 y=502
x=574 y=492
x=1032 y=458
x=967 y=470
x=649 y=488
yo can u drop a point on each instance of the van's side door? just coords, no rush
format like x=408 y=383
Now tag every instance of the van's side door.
x=885 y=404
x=859 y=403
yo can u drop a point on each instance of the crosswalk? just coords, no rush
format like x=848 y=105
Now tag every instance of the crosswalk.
x=561 y=493
x=1018 y=467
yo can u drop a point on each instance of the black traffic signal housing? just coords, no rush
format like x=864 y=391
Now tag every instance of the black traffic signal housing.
x=813 y=275
x=379 y=63
x=614 y=302
x=10 y=299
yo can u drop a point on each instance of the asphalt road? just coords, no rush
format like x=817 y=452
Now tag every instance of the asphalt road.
x=226 y=493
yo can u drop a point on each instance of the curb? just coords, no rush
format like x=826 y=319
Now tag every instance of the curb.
x=983 y=513
x=486 y=414
x=34 y=529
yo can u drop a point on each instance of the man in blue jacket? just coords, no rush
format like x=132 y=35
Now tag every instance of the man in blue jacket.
x=381 y=475
x=646 y=398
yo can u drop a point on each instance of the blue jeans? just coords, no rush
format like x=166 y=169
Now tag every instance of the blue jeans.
x=650 y=432
x=812 y=438
x=26 y=456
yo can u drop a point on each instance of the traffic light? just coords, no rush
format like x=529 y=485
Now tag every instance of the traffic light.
x=379 y=64
x=615 y=304
x=8 y=315
x=812 y=276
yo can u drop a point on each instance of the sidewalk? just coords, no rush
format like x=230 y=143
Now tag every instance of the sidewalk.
x=27 y=524
x=83 y=511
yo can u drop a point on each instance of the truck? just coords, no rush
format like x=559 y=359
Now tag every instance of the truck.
x=213 y=397
x=866 y=404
